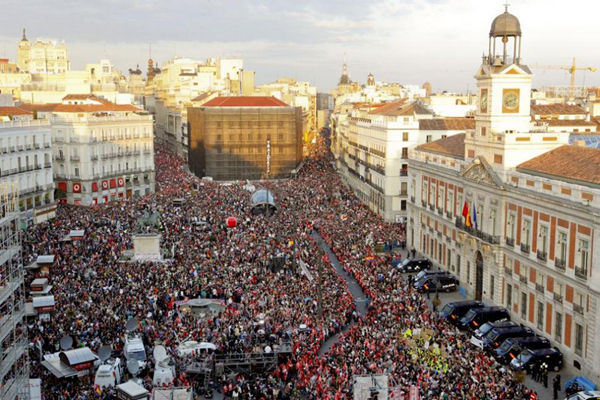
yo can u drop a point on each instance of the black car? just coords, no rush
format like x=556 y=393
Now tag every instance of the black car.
x=496 y=336
x=454 y=311
x=528 y=359
x=439 y=283
x=424 y=273
x=478 y=335
x=513 y=346
x=414 y=265
x=479 y=316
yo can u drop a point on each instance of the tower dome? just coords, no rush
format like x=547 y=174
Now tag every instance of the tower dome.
x=507 y=28
x=505 y=24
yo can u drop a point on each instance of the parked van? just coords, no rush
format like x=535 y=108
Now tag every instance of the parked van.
x=527 y=360
x=497 y=336
x=454 y=311
x=439 y=283
x=479 y=316
x=477 y=338
x=512 y=347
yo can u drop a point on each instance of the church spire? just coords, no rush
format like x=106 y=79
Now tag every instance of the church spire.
x=24 y=39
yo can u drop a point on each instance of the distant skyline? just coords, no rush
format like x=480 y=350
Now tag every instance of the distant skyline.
x=408 y=41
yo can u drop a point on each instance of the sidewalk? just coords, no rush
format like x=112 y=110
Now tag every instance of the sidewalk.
x=543 y=393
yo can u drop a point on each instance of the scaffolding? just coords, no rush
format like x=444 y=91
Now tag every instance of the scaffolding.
x=14 y=367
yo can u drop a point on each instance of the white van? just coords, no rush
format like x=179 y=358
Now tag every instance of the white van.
x=109 y=374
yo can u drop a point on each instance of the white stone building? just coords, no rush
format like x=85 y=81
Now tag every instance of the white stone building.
x=102 y=151
x=26 y=159
x=513 y=210
x=372 y=146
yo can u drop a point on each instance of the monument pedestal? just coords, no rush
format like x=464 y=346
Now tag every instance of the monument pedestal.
x=146 y=247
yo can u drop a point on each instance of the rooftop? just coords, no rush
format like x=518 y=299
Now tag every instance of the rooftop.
x=400 y=108
x=100 y=106
x=556 y=109
x=453 y=146
x=10 y=111
x=245 y=101
x=447 y=124
x=581 y=164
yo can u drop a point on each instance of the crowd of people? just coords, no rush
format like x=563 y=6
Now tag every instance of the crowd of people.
x=97 y=290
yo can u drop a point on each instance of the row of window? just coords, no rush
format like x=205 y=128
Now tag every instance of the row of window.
x=560 y=246
x=559 y=328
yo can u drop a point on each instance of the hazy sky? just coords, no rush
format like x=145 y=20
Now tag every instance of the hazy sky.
x=407 y=41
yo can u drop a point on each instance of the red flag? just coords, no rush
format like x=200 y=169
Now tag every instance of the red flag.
x=466 y=213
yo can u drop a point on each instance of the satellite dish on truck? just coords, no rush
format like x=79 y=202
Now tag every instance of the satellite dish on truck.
x=131 y=325
x=104 y=353
x=159 y=353
x=66 y=342
x=133 y=367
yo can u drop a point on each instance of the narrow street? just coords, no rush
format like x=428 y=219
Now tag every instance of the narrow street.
x=360 y=298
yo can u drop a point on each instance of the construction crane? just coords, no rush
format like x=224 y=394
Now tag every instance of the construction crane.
x=571 y=70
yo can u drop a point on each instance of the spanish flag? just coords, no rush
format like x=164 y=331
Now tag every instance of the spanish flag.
x=466 y=213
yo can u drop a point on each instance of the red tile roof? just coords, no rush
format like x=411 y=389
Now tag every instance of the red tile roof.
x=447 y=124
x=581 y=164
x=245 y=101
x=453 y=146
x=106 y=106
x=83 y=96
x=556 y=109
x=38 y=107
x=5 y=111
x=400 y=108
x=568 y=122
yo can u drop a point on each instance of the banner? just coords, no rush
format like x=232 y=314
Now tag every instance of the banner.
x=104 y=185
x=94 y=186
x=121 y=182
x=76 y=187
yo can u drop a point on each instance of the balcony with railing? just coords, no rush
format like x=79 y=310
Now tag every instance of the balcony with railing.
x=539 y=287
x=486 y=237
x=542 y=255
x=559 y=264
x=508 y=271
x=522 y=279
x=423 y=203
x=449 y=214
x=403 y=172
x=581 y=273
x=525 y=248
x=412 y=199
x=431 y=207
x=558 y=298
x=75 y=158
x=440 y=210
x=509 y=241
x=47 y=164
x=578 y=308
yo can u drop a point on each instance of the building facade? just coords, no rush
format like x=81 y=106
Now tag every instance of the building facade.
x=26 y=159
x=233 y=138
x=14 y=365
x=42 y=56
x=512 y=210
x=101 y=151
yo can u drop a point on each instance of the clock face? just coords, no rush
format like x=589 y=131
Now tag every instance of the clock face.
x=510 y=101
x=483 y=101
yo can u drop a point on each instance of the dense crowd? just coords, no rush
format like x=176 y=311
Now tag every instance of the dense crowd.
x=97 y=290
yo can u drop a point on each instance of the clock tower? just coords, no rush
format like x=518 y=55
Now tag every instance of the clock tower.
x=504 y=90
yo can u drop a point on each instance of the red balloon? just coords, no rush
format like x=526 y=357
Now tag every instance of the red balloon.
x=231 y=222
